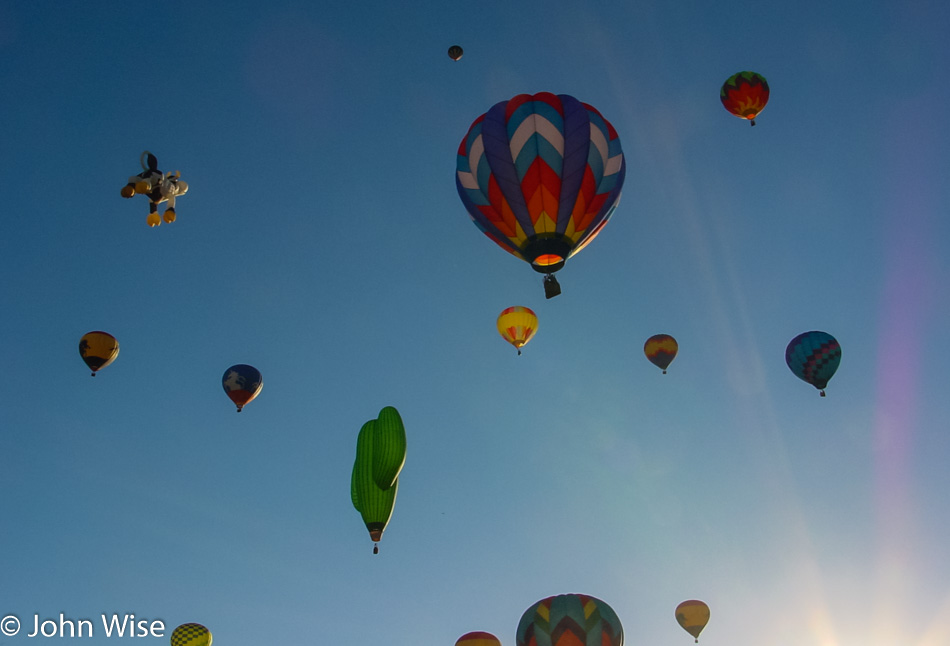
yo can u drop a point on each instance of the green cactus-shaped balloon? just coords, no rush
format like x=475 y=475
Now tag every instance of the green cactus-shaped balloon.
x=374 y=503
x=389 y=447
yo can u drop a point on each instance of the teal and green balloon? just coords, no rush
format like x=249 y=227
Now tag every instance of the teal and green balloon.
x=814 y=358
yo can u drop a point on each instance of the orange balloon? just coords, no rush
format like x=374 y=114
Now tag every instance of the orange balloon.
x=692 y=615
x=478 y=639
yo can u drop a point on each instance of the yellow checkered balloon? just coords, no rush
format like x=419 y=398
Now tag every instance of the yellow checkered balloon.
x=191 y=635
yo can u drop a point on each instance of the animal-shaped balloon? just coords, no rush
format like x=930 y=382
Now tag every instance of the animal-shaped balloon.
x=157 y=187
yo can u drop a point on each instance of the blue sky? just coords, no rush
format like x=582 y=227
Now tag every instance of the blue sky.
x=322 y=240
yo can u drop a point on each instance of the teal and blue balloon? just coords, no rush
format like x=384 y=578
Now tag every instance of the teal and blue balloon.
x=814 y=357
x=570 y=620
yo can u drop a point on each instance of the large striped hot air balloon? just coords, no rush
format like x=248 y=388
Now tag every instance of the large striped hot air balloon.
x=540 y=175
x=745 y=95
x=570 y=620
x=814 y=357
x=517 y=325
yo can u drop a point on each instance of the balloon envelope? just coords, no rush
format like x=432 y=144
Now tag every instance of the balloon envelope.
x=693 y=616
x=98 y=350
x=570 y=620
x=375 y=504
x=478 y=639
x=814 y=357
x=242 y=383
x=455 y=52
x=191 y=635
x=661 y=349
x=389 y=447
x=745 y=95
x=517 y=325
x=540 y=175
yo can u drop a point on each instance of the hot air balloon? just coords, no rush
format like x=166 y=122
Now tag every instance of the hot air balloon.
x=540 y=175
x=570 y=620
x=242 y=383
x=814 y=357
x=478 y=638
x=191 y=635
x=380 y=456
x=517 y=325
x=389 y=447
x=661 y=349
x=745 y=95
x=693 y=616
x=98 y=350
x=157 y=187
x=455 y=52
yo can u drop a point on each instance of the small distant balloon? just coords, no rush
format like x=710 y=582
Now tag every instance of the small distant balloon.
x=98 y=350
x=745 y=95
x=693 y=616
x=661 y=349
x=455 y=52
x=517 y=325
x=814 y=357
x=242 y=383
x=191 y=635
x=478 y=638
x=158 y=187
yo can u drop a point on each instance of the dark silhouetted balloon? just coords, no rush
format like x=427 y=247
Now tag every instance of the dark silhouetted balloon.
x=745 y=95
x=814 y=357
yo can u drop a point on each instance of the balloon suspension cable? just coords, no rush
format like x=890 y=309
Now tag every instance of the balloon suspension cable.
x=375 y=548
